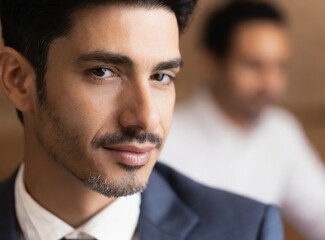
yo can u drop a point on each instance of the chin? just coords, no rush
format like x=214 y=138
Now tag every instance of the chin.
x=117 y=182
x=113 y=178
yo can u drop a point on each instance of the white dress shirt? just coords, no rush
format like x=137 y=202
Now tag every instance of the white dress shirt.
x=273 y=163
x=116 y=221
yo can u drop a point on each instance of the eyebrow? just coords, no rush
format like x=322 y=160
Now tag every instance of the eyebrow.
x=171 y=64
x=118 y=59
x=105 y=57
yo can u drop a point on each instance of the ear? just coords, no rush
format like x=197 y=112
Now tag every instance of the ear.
x=17 y=79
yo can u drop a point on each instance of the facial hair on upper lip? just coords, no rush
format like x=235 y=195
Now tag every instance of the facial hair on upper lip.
x=126 y=136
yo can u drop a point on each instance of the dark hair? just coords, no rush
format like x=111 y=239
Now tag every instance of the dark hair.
x=221 y=24
x=29 y=26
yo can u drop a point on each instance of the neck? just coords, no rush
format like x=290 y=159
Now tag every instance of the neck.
x=240 y=121
x=57 y=190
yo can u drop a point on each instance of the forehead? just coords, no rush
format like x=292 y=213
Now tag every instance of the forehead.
x=261 y=36
x=141 y=33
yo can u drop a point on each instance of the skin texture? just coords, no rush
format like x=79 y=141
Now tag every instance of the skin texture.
x=109 y=90
x=254 y=73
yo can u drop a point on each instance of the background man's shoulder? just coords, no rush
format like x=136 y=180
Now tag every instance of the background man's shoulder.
x=280 y=117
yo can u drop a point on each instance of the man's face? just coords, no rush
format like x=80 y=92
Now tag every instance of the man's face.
x=255 y=70
x=110 y=96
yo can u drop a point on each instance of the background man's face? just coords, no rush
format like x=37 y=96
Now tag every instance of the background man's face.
x=110 y=95
x=255 y=70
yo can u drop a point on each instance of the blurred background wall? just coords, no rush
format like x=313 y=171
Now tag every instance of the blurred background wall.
x=305 y=98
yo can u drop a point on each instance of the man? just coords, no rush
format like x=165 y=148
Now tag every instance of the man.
x=232 y=135
x=93 y=85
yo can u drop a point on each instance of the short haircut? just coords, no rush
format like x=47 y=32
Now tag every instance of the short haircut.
x=223 y=21
x=30 y=26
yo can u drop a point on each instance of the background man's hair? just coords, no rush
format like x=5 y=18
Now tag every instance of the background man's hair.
x=222 y=22
x=29 y=26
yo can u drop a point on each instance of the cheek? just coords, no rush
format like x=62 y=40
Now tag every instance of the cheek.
x=243 y=82
x=83 y=107
x=164 y=102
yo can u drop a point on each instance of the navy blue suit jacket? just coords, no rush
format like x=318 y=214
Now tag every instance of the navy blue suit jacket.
x=173 y=207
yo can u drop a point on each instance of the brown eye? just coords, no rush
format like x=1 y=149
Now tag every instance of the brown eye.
x=159 y=76
x=163 y=78
x=102 y=72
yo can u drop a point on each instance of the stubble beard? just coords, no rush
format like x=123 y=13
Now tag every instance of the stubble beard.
x=127 y=186
x=67 y=146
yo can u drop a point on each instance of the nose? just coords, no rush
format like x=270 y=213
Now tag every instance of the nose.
x=138 y=109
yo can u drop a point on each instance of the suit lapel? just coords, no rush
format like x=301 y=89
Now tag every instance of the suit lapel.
x=8 y=221
x=163 y=215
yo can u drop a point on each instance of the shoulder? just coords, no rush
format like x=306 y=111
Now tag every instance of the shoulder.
x=7 y=209
x=278 y=117
x=7 y=187
x=282 y=126
x=201 y=197
x=7 y=193
x=218 y=209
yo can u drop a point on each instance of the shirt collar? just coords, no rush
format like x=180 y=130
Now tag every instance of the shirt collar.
x=116 y=221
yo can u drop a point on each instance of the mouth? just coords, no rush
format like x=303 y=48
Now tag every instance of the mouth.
x=130 y=156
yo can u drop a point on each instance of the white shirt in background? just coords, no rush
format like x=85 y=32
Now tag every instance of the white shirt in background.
x=117 y=221
x=272 y=163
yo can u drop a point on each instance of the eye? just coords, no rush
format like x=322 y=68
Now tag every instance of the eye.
x=102 y=73
x=163 y=78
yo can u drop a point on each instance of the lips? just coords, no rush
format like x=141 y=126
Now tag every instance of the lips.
x=130 y=155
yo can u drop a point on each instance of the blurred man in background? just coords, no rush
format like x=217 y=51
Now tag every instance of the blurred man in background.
x=231 y=134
